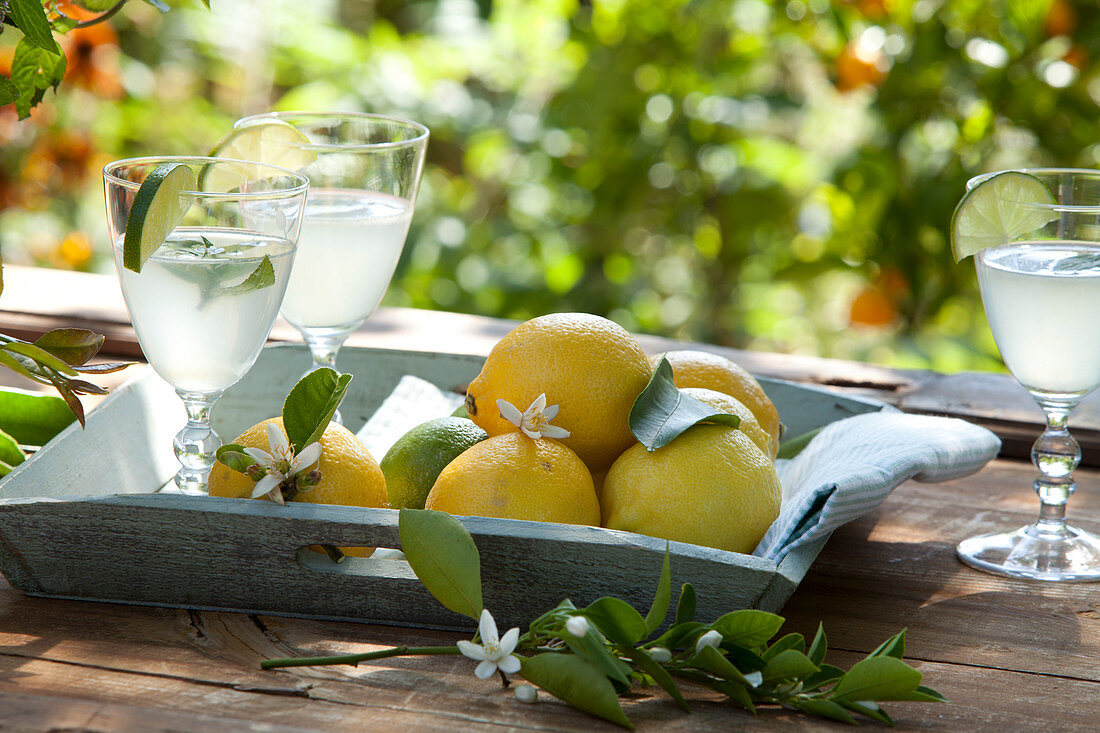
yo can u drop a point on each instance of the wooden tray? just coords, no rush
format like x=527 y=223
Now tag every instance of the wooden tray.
x=82 y=519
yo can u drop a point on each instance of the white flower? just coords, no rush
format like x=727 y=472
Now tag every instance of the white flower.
x=577 y=626
x=280 y=463
x=493 y=652
x=712 y=638
x=660 y=654
x=528 y=694
x=535 y=420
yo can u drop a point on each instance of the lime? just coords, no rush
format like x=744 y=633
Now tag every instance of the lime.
x=415 y=461
x=158 y=206
x=998 y=210
x=273 y=142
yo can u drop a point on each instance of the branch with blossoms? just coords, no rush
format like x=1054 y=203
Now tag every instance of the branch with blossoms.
x=590 y=656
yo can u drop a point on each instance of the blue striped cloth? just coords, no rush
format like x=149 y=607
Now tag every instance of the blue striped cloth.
x=852 y=465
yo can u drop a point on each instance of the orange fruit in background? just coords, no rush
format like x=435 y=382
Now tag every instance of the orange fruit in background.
x=349 y=474
x=710 y=486
x=856 y=68
x=711 y=371
x=592 y=368
x=513 y=477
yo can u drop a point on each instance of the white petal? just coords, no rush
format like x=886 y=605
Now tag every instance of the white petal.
x=509 y=412
x=508 y=642
x=509 y=664
x=266 y=485
x=532 y=434
x=260 y=456
x=551 y=412
x=755 y=678
x=306 y=458
x=487 y=628
x=553 y=431
x=538 y=404
x=712 y=638
x=485 y=670
x=472 y=650
x=276 y=440
x=577 y=626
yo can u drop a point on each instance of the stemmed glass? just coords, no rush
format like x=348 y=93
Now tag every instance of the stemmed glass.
x=1041 y=292
x=363 y=181
x=204 y=302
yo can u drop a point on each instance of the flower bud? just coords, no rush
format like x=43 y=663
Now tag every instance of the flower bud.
x=712 y=638
x=309 y=480
x=256 y=472
x=660 y=654
x=526 y=694
x=577 y=626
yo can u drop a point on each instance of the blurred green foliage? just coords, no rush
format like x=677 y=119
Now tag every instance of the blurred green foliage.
x=772 y=175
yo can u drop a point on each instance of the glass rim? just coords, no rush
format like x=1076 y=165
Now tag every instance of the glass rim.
x=421 y=130
x=1047 y=172
x=301 y=186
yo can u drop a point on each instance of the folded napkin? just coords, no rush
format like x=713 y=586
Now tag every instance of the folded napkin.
x=847 y=470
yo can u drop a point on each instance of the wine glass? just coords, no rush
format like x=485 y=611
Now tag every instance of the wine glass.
x=1041 y=292
x=204 y=301
x=363 y=181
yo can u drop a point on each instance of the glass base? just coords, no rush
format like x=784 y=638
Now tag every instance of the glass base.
x=1066 y=554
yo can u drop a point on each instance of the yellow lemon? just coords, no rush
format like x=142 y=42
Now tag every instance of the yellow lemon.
x=710 y=371
x=587 y=365
x=514 y=477
x=733 y=406
x=710 y=486
x=349 y=474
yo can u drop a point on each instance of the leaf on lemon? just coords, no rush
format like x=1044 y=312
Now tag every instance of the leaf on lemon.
x=662 y=412
x=312 y=402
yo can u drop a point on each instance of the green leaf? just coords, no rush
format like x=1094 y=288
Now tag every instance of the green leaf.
x=738 y=693
x=923 y=694
x=824 y=709
x=5 y=469
x=618 y=620
x=33 y=71
x=819 y=646
x=163 y=6
x=74 y=346
x=233 y=455
x=8 y=94
x=660 y=675
x=30 y=17
x=749 y=628
x=827 y=675
x=39 y=355
x=262 y=277
x=9 y=450
x=789 y=664
x=792 y=447
x=892 y=647
x=444 y=557
x=661 y=599
x=592 y=648
x=33 y=419
x=869 y=709
x=685 y=607
x=663 y=412
x=711 y=660
x=309 y=407
x=790 y=641
x=575 y=681
x=680 y=634
x=877 y=678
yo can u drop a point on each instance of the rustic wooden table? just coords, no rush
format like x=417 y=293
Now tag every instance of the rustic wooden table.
x=1010 y=655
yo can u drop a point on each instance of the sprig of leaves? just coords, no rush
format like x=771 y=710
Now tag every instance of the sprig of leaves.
x=733 y=655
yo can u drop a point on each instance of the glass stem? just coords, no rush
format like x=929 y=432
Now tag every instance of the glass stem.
x=196 y=444
x=323 y=350
x=1056 y=454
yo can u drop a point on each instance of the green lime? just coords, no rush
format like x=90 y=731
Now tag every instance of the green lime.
x=998 y=210
x=158 y=206
x=415 y=461
x=272 y=142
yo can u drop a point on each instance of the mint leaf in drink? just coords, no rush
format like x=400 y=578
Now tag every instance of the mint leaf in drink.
x=262 y=277
x=662 y=412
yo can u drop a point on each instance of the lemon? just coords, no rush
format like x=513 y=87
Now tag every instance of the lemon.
x=587 y=365
x=158 y=206
x=733 y=406
x=514 y=477
x=710 y=371
x=413 y=463
x=349 y=474
x=710 y=486
x=999 y=209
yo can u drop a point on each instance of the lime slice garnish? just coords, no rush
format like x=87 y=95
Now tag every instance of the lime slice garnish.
x=273 y=142
x=998 y=210
x=157 y=209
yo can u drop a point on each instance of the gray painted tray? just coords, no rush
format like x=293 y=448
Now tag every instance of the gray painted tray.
x=82 y=519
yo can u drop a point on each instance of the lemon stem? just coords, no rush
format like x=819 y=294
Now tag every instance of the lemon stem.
x=355 y=659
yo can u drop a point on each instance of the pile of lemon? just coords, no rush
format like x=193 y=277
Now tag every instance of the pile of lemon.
x=713 y=485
